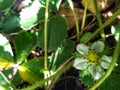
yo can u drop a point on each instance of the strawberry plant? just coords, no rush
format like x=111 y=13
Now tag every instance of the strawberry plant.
x=41 y=39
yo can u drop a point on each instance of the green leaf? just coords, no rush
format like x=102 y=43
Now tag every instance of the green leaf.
x=2 y=20
x=85 y=37
x=12 y=25
x=107 y=51
x=6 y=55
x=117 y=67
x=4 y=4
x=57 y=32
x=5 y=48
x=53 y=4
x=24 y=43
x=111 y=83
x=17 y=80
x=86 y=78
x=5 y=63
x=77 y=55
x=63 y=53
x=4 y=83
x=13 y=75
x=31 y=15
x=30 y=71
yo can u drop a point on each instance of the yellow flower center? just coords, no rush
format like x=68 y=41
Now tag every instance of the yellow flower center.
x=92 y=56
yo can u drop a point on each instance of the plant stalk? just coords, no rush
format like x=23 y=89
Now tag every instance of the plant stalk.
x=84 y=16
x=45 y=34
x=76 y=20
x=99 y=19
x=45 y=42
x=104 y=25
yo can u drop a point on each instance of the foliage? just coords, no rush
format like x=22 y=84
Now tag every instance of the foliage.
x=23 y=32
x=5 y=4
x=57 y=32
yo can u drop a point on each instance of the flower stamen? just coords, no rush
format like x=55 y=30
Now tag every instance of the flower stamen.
x=92 y=57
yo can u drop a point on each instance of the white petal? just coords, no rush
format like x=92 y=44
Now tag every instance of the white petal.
x=99 y=72
x=91 y=69
x=95 y=71
x=82 y=48
x=80 y=63
x=105 y=61
x=104 y=64
x=106 y=58
x=98 y=46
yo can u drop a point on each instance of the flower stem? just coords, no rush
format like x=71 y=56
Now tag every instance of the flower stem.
x=104 y=25
x=75 y=17
x=115 y=57
x=99 y=19
x=45 y=34
x=84 y=16
x=45 y=39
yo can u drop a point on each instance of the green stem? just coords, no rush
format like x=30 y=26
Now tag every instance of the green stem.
x=99 y=19
x=76 y=20
x=53 y=81
x=62 y=69
x=84 y=16
x=104 y=25
x=45 y=42
x=45 y=34
x=115 y=57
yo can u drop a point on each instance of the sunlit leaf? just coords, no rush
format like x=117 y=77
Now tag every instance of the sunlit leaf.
x=5 y=64
x=53 y=4
x=30 y=71
x=31 y=15
x=12 y=25
x=24 y=43
x=115 y=30
x=57 y=32
x=5 y=45
x=4 y=4
x=6 y=59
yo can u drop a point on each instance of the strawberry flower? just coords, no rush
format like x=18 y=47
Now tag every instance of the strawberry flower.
x=92 y=60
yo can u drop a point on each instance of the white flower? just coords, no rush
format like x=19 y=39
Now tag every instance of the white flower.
x=92 y=60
